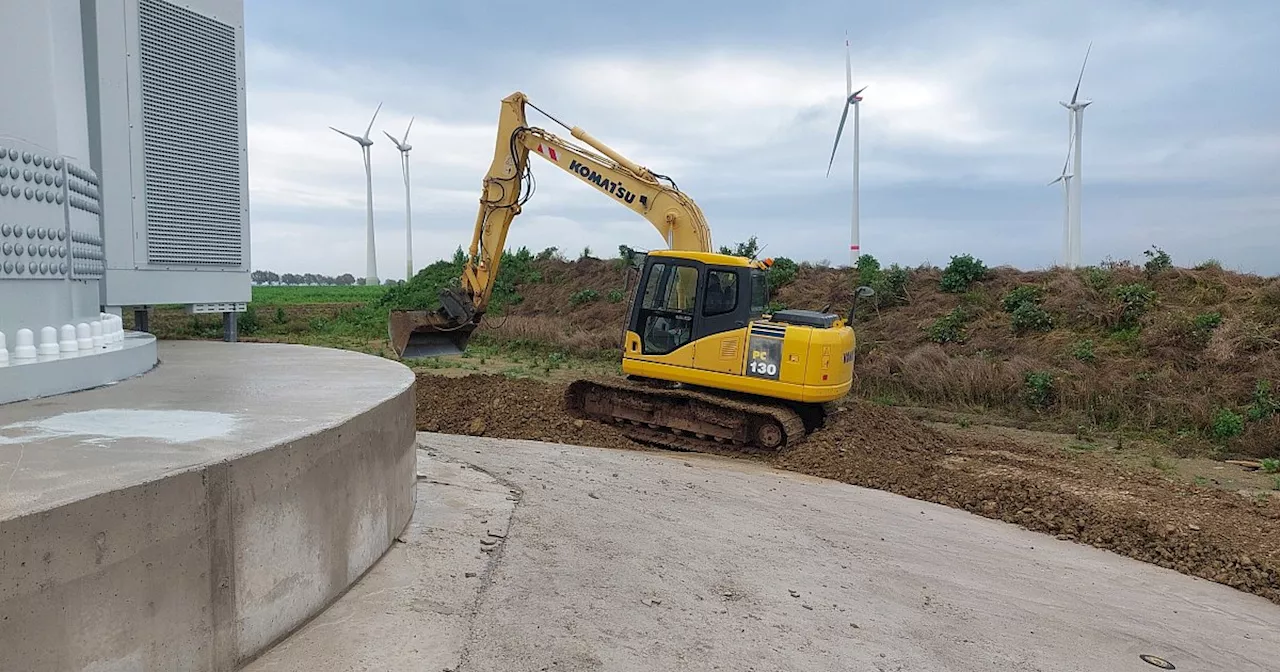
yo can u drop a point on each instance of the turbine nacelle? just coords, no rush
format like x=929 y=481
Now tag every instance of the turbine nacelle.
x=402 y=145
x=363 y=140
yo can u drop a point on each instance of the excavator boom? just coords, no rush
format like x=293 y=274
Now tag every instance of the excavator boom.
x=418 y=333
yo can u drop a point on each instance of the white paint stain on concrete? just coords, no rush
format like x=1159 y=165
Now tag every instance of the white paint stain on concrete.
x=111 y=424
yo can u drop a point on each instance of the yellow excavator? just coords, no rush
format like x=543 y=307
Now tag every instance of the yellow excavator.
x=706 y=367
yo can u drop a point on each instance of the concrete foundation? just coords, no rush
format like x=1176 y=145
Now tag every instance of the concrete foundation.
x=188 y=518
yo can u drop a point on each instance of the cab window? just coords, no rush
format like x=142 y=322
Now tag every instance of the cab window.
x=759 y=292
x=721 y=293
x=666 y=315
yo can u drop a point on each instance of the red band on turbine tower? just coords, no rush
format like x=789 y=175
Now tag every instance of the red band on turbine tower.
x=853 y=247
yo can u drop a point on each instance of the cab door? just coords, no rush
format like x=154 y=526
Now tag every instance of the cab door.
x=664 y=316
x=724 y=310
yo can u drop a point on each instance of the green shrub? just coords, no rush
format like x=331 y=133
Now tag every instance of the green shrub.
x=1270 y=465
x=1157 y=261
x=1030 y=317
x=868 y=270
x=949 y=328
x=1021 y=294
x=1208 y=264
x=1039 y=389
x=248 y=323
x=749 y=249
x=964 y=270
x=1226 y=424
x=890 y=285
x=1208 y=321
x=615 y=296
x=1083 y=350
x=893 y=289
x=781 y=274
x=1264 y=404
x=281 y=318
x=1096 y=278
x=583 y=296
x=1202 y=327
x=1135 y=300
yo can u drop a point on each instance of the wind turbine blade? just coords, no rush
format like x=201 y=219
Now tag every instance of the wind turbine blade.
x=347 y=134
x=843 y=116
x=857 y=93
x=392 y=138
x=375 y=116
x=406 y=131
x=848 y=67
x=1081 y=77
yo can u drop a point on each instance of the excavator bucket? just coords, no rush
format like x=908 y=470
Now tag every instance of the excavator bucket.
x=421 y=333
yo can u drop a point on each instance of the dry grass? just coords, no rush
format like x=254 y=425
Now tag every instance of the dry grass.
x=1167 y=373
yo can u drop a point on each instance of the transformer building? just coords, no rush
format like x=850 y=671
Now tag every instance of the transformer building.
x=123 y=182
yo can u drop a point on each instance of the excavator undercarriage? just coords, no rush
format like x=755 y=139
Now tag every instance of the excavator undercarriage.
x=691 y=418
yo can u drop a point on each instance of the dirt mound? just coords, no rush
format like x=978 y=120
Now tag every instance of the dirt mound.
x=510 y=408
x=1204 y=532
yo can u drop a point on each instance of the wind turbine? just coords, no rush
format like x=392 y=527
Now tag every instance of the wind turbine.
x=1075 y=115
x=404 y=147
x=852 y=98
x=1065 y=179
x=371 y=256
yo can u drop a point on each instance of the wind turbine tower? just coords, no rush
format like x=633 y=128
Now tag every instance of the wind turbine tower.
x=371 y=255
x=404 y=147
x=852 y=98
x=1075 y=112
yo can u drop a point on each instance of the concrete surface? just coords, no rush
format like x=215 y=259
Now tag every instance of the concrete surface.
x=188 y=518
x=413 y=610
x=618 y=560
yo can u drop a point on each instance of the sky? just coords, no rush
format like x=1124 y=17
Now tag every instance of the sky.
x=961 y=126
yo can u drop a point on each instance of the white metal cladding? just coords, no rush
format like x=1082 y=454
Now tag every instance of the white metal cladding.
x=191 y=137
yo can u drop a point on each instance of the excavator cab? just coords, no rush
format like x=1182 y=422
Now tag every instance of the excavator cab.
x=686 y=296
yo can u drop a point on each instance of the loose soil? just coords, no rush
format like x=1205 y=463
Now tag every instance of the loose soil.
x=1144 y=513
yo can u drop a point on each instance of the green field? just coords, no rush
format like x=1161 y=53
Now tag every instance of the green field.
x=288 y=295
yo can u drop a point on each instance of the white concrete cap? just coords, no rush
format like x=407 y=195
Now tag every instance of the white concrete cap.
x=48 y=342
x=84 y=337
x=68 y=341
x=96 y=330
x=24 y=347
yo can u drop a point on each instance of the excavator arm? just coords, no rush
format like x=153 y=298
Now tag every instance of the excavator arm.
x=507 y=186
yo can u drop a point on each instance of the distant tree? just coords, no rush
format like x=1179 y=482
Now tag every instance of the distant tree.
x=748 y=249
x=360 y=281
x=345 y=279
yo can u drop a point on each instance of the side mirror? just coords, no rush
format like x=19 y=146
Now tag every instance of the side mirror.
x=861 y=292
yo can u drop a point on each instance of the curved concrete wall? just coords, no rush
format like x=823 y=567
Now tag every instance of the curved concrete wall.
x=204 y=565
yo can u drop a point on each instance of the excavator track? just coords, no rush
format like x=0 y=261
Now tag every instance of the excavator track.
x=687 y=419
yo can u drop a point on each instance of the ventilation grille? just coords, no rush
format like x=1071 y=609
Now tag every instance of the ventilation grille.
x=191 y=137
